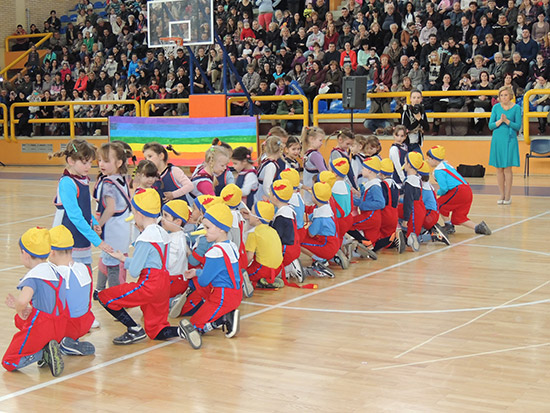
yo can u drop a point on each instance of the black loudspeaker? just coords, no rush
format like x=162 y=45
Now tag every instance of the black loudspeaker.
x=354 y=91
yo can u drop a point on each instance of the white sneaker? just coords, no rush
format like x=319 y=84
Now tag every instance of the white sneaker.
x=95 y=324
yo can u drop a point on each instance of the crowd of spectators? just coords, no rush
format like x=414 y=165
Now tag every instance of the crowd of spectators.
x=287 y=47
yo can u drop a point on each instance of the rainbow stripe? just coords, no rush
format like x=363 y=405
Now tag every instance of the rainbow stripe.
x=191 y=137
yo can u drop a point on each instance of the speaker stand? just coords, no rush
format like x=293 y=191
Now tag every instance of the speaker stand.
x=351 y=124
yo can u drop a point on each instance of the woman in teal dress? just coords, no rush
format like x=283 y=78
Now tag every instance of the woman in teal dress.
x=505 y=123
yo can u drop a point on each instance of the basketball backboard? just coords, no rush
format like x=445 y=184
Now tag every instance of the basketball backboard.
x=192 y=20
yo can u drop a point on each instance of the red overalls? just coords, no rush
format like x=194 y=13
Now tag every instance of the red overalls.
x=456 y=201
x=418 y=214
x=150 y=292
x=388 y=216
x=77 y=327
x=37 y=330
x=369 y=222
x=218 y=301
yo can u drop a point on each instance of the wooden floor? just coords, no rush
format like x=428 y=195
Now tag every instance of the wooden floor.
x=460 y=328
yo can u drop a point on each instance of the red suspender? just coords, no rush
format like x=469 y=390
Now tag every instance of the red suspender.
x=455 y=177
x=58 y=304
x=228 y=265
x=198 y=257
x=162 y=256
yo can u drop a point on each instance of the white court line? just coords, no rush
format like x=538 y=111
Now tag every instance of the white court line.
x=275 y=306
x=25 y=220
x=512 y=249
x=485 y=353
x=413 y=312
x=11 y=268
x=471 y=321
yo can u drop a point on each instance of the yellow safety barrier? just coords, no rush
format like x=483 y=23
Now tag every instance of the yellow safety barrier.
x=4 y=120
x=356 y=115
x=304 y=116
x=71 y=120
x=146 y=105
x=45 y=37
x=431 y=115
x=528 y=114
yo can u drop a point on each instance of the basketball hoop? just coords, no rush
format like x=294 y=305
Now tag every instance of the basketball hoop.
x=171 y=45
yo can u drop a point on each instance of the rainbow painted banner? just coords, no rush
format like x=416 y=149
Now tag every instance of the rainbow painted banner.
x=191 y=137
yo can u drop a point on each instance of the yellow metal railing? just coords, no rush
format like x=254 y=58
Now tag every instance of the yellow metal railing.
x=303 y=116
x=528 y=114
x=4 y=120
x=45 y=37
x=146 y=105
x=431 y=115
x=71 y=120
x=356 y=115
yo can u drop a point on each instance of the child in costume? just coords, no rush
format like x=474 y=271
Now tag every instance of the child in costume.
x=247 y=179
x=412 y=211
x=455 y=195
x=366 y=225
x=113 y=205
x=321 y=241
x=41 y=313
x=398 y=151
x=345 y=138
x=390 y=232
x=174 y=184
x=263 y=248
x=312 y=140
x=291 y=252
x=432 y=231
x=219 y=282
x=152 y=289
x=78 y=281
x=269 y=168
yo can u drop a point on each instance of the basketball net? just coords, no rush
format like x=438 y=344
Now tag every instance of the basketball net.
x=171 y=45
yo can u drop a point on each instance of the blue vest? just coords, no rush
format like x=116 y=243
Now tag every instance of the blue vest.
x=402 y=154
x=240 y=182
x=168 y=183
x=222 y=182
x=83 y=199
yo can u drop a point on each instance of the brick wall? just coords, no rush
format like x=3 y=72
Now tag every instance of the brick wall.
x=13 y=13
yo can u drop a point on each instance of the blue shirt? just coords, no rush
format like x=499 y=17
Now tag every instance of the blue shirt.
x=341 y=192
x=322 y=222
x=145 y=256
x=201 y=245
x=428 y=197
x=445 y=180
x=215 y=271
x=372 y=197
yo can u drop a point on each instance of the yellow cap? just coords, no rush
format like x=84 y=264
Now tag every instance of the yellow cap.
x=424 y=169
x=203 y=202
x=372 y=164
x=437 y=152
x=264 y=211
x=322 y=192
x=220 y=215
x=147 y=202
x=36 y=242
x=61 y=238
x=328 y=177
x=231 y=195
x=386 y=166
x=292 y=175
x=282 y=189
x=340 y=166
x=415 y=159
x=178 y=209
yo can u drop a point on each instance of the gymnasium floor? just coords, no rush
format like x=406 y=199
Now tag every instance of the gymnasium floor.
x=460 y=328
